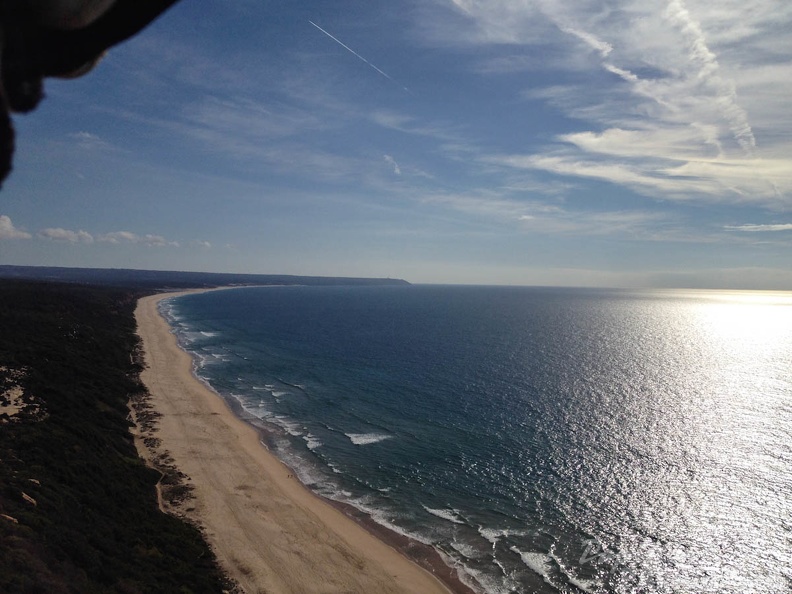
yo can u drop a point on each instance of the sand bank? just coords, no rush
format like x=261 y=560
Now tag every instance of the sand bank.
x=269 y=532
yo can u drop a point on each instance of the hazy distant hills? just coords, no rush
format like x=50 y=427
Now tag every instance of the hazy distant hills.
x=160 y=279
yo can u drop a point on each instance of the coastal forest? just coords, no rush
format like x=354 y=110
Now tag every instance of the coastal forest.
x=78 y=506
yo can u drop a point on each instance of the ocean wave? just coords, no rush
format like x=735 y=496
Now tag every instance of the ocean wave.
x=452 y=515
x=588 y=586
x=539 y=563
x=366 y=438
x=258 y=409
x=466 y=550
x=478 y=580
x=285 y=383
x=383 y=517
x=291 y=427
x=204 y=359
x=493 y=535
x=308 y=473
x=312 y=441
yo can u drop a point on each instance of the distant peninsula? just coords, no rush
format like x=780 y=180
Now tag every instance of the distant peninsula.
x=162 y=279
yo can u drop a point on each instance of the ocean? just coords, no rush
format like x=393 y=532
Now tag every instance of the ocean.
x=541 y=439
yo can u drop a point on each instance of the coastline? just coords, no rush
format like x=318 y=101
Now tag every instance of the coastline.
x=268 y=531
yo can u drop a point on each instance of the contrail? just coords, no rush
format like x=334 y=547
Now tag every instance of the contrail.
x=357 y=55
x=709 y=70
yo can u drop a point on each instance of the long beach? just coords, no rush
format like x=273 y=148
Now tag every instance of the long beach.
x=269 y=532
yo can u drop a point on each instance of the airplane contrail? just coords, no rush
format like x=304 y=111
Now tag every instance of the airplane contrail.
x=357 y=55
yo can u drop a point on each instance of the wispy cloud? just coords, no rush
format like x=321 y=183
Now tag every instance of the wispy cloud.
x=539 y=217
x=488 y=203
x=758 y=181
x=59 y=234
x=709 y=72
x=695 y=109
x=252 y=121
x=603 y=47
x=8 y=231
x=408 y=124
x=91 y=142
x=760 y=228
x=392 y=162
x=120 y=237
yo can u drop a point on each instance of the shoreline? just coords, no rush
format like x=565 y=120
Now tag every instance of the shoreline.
x=269 y=531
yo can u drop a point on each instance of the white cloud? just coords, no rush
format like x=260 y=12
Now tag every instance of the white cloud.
x=90 y=141
x=701 y=55
x=8 y=231
x=638 y=176
x=392 y=120
x=157 y=241
x=119 y=237
x=699 y=105
x=392 y=162
x=59 y=234
x=490 y=204
x=251 y=121
x=760 y=228
x=603 y=47
x=548 y=218
x=659 y=163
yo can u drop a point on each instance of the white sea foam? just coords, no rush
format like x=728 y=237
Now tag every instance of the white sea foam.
x=256 y=409
x=493 y=535
x=366 y=438
x=291 y=427
x=490 y=534
x=466 y=550
x=452 y=515
x=312 y=441
x=539 y=563
x=210 y=358
x=382 y=518
x=308 y=474
x=209 y=334
x=585 y=585
x=478 y=580
x=262 y=412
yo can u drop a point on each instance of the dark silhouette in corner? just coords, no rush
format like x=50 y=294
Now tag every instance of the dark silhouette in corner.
x=60 y=38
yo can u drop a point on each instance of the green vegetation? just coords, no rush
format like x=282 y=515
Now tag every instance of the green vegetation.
x=78 y=510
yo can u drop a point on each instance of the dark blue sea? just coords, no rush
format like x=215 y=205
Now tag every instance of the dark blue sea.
x=542 y=440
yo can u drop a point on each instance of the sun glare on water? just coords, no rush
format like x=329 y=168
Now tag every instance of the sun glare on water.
x=732 y=426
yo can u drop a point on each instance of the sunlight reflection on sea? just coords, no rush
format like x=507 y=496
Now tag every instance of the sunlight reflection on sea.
x=545 y=440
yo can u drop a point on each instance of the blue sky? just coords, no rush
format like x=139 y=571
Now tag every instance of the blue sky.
x=564 y=142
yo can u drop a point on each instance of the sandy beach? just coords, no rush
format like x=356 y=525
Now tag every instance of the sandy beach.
x=268 y=531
